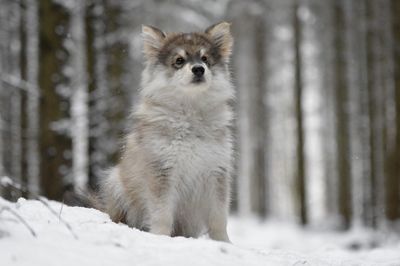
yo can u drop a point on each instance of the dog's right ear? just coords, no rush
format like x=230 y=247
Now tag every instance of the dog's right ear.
x=153 y=40
x=220 y=34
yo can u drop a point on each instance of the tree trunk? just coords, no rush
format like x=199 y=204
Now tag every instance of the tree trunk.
x=55 y=145
x=393 y=171
x=99 y=93
x=79 y=98
x=259 y=178
x=341 y=108
x=373 y=113
x=32 y=156
x=3 y=91
x=116 y=57
x=14 y=71
x=298 y=83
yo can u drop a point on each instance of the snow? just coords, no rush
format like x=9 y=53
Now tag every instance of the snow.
x=102 y=242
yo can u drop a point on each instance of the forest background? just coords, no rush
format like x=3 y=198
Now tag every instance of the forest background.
x=317 y=124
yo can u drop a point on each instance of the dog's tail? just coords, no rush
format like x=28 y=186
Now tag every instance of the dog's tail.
x=90 y=198
x=80 y=198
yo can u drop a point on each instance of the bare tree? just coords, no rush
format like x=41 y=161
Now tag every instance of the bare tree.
x=16 y=98
x=55 y=144
x=260 y=178
x=393 y=170
x=252 y=98
x=32 y=109
x=341 y=108
x=79 y=97
x=298 y=86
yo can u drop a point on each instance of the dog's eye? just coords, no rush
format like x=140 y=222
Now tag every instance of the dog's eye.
x=204 y=59
x=180 y=61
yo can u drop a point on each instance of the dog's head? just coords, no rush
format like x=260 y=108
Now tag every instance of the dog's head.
x=188 y=61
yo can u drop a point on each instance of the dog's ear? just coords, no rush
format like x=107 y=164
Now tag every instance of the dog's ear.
x=153 y=40
x=221 y=36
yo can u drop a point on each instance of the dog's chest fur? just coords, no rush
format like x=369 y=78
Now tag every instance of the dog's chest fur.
x=192 y=143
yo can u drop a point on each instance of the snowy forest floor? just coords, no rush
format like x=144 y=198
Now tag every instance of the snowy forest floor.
x=80 y=236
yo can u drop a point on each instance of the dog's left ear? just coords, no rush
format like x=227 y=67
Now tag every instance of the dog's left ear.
x=220 y=34
x=153 y=40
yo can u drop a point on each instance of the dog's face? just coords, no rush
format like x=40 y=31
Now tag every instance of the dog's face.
x=190 y=61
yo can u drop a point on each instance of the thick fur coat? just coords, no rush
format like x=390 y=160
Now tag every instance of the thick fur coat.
x=175 y=172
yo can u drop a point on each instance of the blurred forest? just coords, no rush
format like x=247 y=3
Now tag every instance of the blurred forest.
x=318 y=99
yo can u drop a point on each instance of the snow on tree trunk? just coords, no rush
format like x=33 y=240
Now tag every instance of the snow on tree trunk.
x=313 y=121
x=79 y=98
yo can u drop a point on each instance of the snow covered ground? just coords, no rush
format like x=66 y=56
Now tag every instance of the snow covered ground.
x=93 y=239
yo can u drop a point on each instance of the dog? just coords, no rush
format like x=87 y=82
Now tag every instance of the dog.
x=174 y=174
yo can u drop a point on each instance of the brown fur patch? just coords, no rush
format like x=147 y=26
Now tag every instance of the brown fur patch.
x=161 y=178
x=221 y=36
x=153 y=40
x=191 y=43
x=222 y=187
x=163 y=48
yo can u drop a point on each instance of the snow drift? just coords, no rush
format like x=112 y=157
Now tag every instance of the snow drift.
x=48 y=233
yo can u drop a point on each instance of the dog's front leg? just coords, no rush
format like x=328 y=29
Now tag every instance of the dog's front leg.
x=218 y=215
x=161 y=218
x=217 y=224
x=161 y=207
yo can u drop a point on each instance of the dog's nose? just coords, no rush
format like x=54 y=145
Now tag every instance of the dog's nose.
x=198 y=71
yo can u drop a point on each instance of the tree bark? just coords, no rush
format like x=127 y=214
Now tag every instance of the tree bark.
x=32 y=156
x=99 y=152
x=79 y=98
x=393 y=171
x=55 y=145
x=341 y=108
x=298 y=86
x=259 y=180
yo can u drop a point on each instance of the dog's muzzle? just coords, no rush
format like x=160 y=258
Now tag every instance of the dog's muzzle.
x=198 y=72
